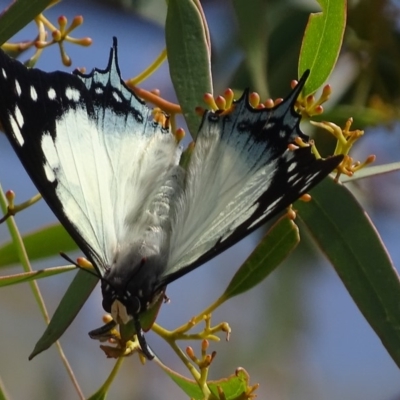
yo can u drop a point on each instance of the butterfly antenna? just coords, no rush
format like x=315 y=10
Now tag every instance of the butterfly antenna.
x=63 y=255
x=142 y=340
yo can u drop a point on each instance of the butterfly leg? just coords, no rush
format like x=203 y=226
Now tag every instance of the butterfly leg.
x=142 y=340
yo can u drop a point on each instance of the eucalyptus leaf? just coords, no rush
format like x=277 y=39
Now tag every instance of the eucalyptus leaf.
x=186 y=35
x=190 y=387
x=45 y=242
x=322 y=42
x=73 y=300
x=234 y=386
x=3 y=393
x=30 y=276
x=254 y=30
x=276 y=245
x=374 y=170
x=100 y=395
x=346 y=235
x=19 y=14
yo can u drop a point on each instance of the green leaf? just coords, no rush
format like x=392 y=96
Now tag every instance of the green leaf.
x=3 y=393
x=190 y=387
x=71 y=303
x=276 y=245
x=188 y=50
x=254 y=31
x=19 y=14
x=371 y=171
x=102 y=392
x=347 y=236
x=322 y=42
x=45 y=242
x=234 y=386
x=30 y=276
x=98 y=396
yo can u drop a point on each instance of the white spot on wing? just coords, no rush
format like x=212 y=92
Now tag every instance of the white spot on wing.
x=116 y=97
x=256 y=221
x=312 y=177
x=52 y=161
x=273 y=205
x=18 y=88
x=292 y=177
x=19 y=117
x=16 y=131
x=51 y=93
x=99 y=90
x=33 y=92
x=292 y=166
x=72 y=94
x=3 y=71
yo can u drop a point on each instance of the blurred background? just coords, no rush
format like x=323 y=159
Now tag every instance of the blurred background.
x=298 y=334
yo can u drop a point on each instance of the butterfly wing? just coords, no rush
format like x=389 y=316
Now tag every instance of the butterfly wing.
x=241 y=174
x=91 y=147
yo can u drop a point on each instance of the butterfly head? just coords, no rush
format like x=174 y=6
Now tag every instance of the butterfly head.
x=132 y=284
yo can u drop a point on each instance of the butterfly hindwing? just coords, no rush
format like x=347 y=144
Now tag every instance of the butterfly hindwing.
x=91 y=147
x=241 y=174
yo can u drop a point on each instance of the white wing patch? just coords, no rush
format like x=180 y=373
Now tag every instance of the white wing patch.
x=16 y=130
x=106 y=172
x=227 y=173
x=94 y=151
x=33 y=93
x=72 y=94
x=17 y=88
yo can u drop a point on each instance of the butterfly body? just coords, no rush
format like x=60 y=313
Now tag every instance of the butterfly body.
x=112 y=175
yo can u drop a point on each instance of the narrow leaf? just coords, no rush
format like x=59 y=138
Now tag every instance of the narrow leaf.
x=30 y=276
x=98 y=396
x=322 y=42
x=234 y=386
x=19 y=14
x=276 y=245
x=254 y=31
x=71 y=303
x=371 y=171
x=350 y=241
x=3 y=393
x=46 y=242
x=188 y=50
x=190 y=387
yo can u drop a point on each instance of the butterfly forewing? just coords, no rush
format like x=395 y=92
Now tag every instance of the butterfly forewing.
x=241 y=174
x=91 y=147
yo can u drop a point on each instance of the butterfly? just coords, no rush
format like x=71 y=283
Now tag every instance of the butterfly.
x=112 y=175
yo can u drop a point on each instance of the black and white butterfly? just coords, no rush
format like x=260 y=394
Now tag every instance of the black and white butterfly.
x=111 y=175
